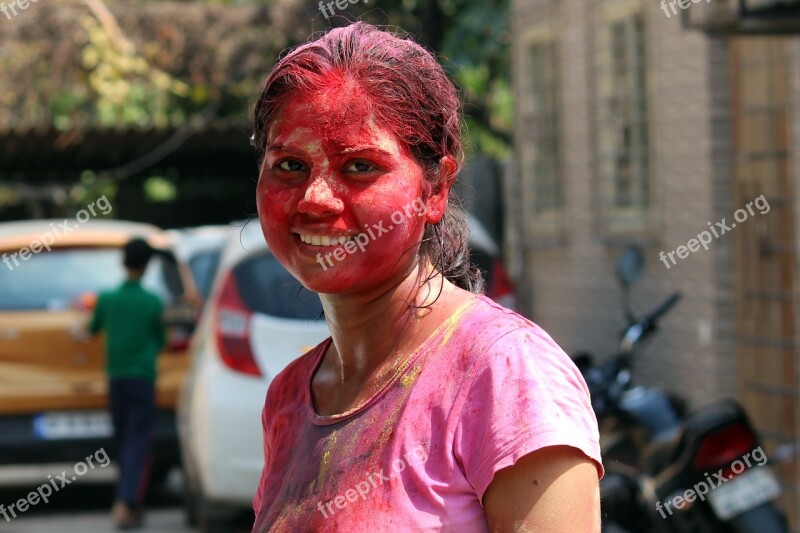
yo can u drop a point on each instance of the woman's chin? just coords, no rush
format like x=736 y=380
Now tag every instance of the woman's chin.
x=328 y=282
x=361 y=273
x=343 y=280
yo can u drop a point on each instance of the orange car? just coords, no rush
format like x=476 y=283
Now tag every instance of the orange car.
x=53 y=388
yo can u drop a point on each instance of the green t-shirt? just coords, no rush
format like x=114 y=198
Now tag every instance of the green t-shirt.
x=131 y=319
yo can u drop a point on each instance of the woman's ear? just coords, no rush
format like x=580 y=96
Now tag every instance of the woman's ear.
x=437 y=201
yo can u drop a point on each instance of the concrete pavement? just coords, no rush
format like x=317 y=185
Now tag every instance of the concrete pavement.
x=84 y=506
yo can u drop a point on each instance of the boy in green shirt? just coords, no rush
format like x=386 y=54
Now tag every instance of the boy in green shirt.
x=131 y=319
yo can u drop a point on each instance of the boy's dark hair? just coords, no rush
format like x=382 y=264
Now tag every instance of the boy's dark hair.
x=136 y=254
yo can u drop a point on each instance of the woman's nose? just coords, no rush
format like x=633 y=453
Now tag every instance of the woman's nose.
x=320 y=198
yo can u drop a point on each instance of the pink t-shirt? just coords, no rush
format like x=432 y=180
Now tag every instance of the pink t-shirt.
x=486 y=388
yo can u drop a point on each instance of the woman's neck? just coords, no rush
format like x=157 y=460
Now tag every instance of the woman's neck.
x=368 y=329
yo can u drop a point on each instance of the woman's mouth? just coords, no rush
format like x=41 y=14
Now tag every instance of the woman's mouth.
x=325 y=240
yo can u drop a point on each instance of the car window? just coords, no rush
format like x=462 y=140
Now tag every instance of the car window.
x=203 y=266
x=268 y=288
x=53 y=280
x=164 y=278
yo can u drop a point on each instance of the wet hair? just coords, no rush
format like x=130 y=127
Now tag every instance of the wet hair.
x=411 y=94
x=136 y=254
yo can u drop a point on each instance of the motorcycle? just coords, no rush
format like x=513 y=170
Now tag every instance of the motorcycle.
x=668 y=469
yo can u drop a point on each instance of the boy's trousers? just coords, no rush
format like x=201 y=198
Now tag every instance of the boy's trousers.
x=133 y=414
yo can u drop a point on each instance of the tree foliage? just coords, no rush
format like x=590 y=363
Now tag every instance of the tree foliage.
x=472 y=40
x=78 y=64
x=158 y=64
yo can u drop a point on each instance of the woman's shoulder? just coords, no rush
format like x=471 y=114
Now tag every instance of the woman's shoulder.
x=490 y=333
x=519 y=392
x=488 y=322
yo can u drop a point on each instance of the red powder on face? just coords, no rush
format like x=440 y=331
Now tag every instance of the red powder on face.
x=406 y=92
x=331 y=170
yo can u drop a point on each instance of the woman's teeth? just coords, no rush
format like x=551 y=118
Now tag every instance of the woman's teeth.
x=324 y=240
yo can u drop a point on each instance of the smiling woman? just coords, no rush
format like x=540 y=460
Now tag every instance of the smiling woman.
x=351 y=129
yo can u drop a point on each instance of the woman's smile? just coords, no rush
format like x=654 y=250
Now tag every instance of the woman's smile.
x=325 y=240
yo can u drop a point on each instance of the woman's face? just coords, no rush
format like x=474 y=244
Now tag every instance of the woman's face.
x=342 y=203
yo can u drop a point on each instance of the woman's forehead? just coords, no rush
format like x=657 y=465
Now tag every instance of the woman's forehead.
x=335 y=121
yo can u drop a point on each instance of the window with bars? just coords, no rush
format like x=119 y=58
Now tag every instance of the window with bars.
x=543 y=126
x=540 y=124
x=622 y=122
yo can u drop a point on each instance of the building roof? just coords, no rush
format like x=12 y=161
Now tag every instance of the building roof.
x=49 y=155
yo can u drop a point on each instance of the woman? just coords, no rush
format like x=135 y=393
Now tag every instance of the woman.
x=430 y=407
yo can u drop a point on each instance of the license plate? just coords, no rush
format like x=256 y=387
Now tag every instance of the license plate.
x=77 y=425
x=744 y=492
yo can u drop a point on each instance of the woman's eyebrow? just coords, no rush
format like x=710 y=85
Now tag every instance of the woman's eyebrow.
x=343 y=151
x=365 y=148
x=282 y=148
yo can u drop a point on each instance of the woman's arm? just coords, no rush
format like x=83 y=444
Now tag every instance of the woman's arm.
x=554 y=489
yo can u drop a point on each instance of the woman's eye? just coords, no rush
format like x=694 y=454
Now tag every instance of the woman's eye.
x=291 y=165
x=360 y=166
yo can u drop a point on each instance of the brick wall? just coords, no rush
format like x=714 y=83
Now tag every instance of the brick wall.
x=569 y=282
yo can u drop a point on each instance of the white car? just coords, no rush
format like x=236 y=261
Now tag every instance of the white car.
x=200 y=248
x=258 y=318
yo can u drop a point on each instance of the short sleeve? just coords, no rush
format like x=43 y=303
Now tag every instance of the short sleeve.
x=526 y=394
